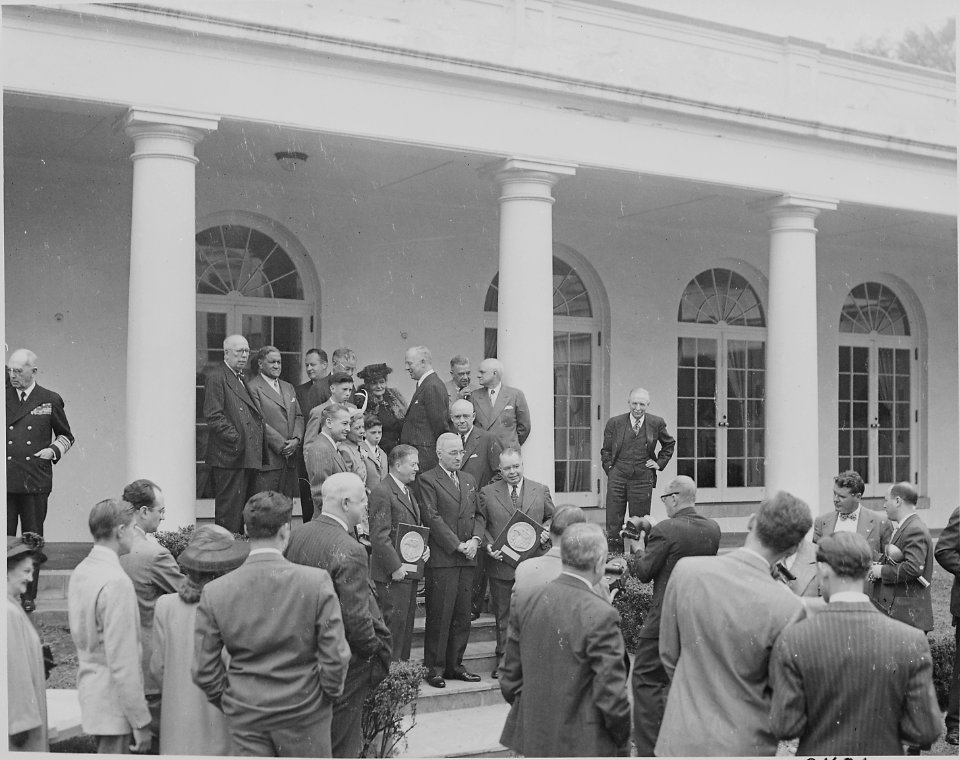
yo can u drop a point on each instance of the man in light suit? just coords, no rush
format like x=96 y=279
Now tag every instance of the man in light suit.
x=341 y=391
x=452 y=510
x=802 y=566
x=428 y=415
x=501 y=410
x=322 y=456
x=828 y=689
x=235 y=434
x=564 y=672
x=308 y=396
x=278 y=690
x=631 y=461
x=105 y=628
x=330 y=543
x=947 y=555
x=901 y=578
x=850 y=515
x=685 y=533
x=154 y=572
x=393 y=502
x=459 y=385
x=499 y=502
x=282 y=424
x=714 y=605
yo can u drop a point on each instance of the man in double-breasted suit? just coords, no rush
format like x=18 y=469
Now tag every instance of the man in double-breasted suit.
x=848 y=681
x=308 y=396
x=501 y=410
x=947 y=555
x=564 y=671
x=282 y=627
x=329 y=542
x=849 y=515
x=901 y=579
x=499 y=501
x=234 y=434
x=392 y=502
x=282 y=424
x=452 y=511
x=685 y=533
x=630 y=458
x=322 y=456
x=428 y=415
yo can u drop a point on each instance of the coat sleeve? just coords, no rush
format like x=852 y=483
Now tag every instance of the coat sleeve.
x=947 y=552
x=645 y=565
x=605 y=651
x=523 y=417
x=381 y=523
x=351 y=579
x=214 y=411
x=158 y=642
x=439 y=531
x=435 y=402
x=817 y=529
x=548 y=508
x=667 y=445
x=914 y=549
x=208 y=671
x=606 y=449
x=920 y=720
x=669 y=629
x=511 y=671
x=298 y=422
x=333 y=652
x=62 y=437
x=165 y=572
x=23 y=709
x=116 y=609
x=788 y=716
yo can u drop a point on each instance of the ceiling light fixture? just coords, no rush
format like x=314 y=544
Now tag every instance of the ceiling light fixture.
x=291 y=160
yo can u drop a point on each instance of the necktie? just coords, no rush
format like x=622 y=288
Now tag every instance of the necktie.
x=240 y=376
x=463 y=437
x=493 y=393
x=515 y=497
x=23 y=396
x=636 y=427
x=453 y=477
x=843 y=516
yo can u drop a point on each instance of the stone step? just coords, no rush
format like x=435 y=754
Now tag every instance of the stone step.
x=484 y=628
x=480 y=657
x=469 y=732
x=459 y=695
x=53 y=583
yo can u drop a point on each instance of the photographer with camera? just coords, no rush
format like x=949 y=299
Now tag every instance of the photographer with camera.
x=684 y=533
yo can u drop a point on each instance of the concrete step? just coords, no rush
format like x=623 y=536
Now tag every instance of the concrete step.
x=53 y=583
x=484 y=628
x=459 y=695
x=480 y=657
x=470 y=732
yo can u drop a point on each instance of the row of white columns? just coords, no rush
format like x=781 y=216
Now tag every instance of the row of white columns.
x=161 y=337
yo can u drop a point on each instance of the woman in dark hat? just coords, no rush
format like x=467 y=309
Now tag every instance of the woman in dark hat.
x=26 y=680
x=189 y=724
x=386 y=403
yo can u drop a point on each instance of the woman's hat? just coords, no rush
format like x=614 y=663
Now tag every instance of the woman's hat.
x=213 y=549
x=374 y=372
x=28 y=543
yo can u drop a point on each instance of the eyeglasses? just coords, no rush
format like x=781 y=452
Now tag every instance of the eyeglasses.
x=663 y=497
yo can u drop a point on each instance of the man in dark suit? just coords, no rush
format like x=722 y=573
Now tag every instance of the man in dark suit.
x=564 y=672
x=848 y=681
x=630 y=458
x=287 y=667
x=38 y=435
x=499 y=501
x=282 y=424
x=501 y=410
x=684 y=533
x=901 y=578
x=451 y=510
x=322 y=456
x=947 y=555
x=329 y=542
x=343 y=360
x=392 y=502
x=234 y=434
x=849 y=515
x=428 y=415
x=315 y=364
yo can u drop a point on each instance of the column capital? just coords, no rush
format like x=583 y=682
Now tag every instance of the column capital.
x=138 y=116
x=166 y=134
x=791 y=203
x=527 y=178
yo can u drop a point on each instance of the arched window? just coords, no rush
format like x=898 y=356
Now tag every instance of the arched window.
x=248 y=283
x=577 y=379
x=877 y=399
x=720 y=385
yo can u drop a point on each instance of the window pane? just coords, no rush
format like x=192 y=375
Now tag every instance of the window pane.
x=707 y=352
x=686 y=467
x=580 y=411
x=578 y=474
x=580 y=345
x=685 y=447
x=560 y=411
x=754 y=472
x=560 y=443
x=685 y=382
x=735 y=473
x=735 y=444
x=885 y=469
x=685 y=415
x=735 y=414
x=706 y=473
x=559 y=477
x=580 y=379
x=687 y=352
x=706 y=382
x=844 y=358
x=579 y=443
x=903 y=362
x=903 y=469
x=706 y=443
x=706 y=413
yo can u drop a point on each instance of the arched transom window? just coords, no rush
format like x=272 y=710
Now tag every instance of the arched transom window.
x=720 y=295
x=873 y=307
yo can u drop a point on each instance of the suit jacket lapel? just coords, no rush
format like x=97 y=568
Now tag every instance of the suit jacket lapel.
x=470 y=445
x=408 y=501
x=526 y=498
x=16 y=410
x=338 y=458
x=447 y=483
x=500 y=404
x=481 y=401
x=240 y=390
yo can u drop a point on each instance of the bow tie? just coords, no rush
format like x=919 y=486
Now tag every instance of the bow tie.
x=843 y=516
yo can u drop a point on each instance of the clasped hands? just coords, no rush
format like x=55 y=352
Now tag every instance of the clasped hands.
x=290 y=447
x=469 y=548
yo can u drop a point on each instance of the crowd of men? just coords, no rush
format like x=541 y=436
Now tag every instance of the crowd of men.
x=785 y=638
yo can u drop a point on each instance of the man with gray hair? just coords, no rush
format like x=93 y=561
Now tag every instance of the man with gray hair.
x=501 y=410
x=563 y=633
x=459 y=385
x=428 y=415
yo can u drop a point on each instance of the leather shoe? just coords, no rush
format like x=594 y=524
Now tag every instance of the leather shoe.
x=495 y=673
x=28 y=605
x=436 y=681
x=952 y=737
x=462 y=675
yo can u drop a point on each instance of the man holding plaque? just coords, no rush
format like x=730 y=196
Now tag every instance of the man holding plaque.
x=452 y=511
x=392 y=504
x=506 y=543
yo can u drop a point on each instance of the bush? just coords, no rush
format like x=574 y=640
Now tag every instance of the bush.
x=383 y=710
x=633 y=603
x=942 y=648
x=175 y=541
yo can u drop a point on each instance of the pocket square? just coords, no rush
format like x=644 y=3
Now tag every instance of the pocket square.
x=473 y=456
x=508 y=406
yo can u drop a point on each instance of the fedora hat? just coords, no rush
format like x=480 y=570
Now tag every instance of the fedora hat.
x=213 y=550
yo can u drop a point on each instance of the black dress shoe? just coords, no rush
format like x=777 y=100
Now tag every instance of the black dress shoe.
x=495 y=673
x=28 y=605
x=436 y=681
x=462 y=675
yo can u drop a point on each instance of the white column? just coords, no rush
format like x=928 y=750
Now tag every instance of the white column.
x=525 y=318
x=793 y=439
x=161 y=323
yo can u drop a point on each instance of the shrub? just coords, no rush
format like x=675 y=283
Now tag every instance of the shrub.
x=384 y=709
x=942 y=648
x=633 y=603
x=175 y=541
